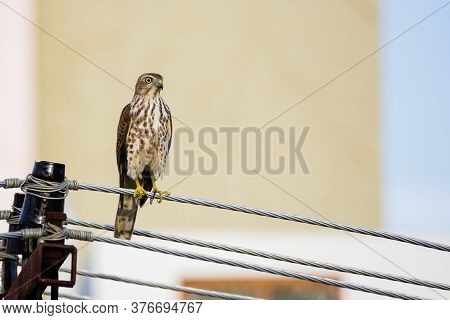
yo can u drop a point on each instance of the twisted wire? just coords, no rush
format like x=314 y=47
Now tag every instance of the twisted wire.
x=10 y=219
x=74 y=185
x=16 y=209
x=11 y=183
x=11 y=235
x=250 y=266
x=200 y=292
x=50 y=232
x=4 y=214
x=32 y=233
x=81 y=235
x=23 y=234
x=35 y=186
x=4 y=255
x=54 y=233
x=267 y=255
x=13 y=219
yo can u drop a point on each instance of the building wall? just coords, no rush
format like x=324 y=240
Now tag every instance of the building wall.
x=225 y=63
x=18 y=92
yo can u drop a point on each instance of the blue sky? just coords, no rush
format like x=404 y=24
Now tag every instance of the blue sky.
x=415 y=116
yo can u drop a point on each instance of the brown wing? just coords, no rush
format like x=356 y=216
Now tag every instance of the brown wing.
x=127 y=208
x=122 y=132
x=170 y=131
x=167 y=142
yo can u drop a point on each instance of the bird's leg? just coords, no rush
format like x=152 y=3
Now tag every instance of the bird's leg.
x=139 y=191
x=158 y=191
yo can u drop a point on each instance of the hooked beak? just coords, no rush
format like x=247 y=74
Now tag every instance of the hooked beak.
x=160 y=85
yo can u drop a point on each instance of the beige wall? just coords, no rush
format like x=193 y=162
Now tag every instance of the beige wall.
x=225 y=63
x=18 y=94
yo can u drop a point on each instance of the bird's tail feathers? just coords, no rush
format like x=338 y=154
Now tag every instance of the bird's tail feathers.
x=126 y=217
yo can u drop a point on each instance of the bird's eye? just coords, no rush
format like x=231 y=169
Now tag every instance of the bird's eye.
x=148 y=79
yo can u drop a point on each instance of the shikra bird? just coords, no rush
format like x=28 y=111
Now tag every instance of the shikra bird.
x=144 y=136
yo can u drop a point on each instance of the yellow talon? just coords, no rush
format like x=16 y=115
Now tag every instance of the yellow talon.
x=158 y=191
x=139 y=192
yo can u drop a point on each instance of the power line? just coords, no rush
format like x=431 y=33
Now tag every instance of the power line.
x=88 y=236
x=200 y=292
x=17 y=234
x=32 y=184
x=250 y=266
x=267 y=255
x=35 y=186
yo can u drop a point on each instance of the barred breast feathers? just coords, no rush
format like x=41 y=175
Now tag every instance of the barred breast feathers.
x=149 y=136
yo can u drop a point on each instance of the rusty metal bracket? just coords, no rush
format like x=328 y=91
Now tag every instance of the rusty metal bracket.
x=53 y=256
x=41 y=270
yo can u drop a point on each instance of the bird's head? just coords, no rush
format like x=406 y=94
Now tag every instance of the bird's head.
x=149 y=84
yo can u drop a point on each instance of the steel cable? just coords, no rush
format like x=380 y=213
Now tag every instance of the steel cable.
x=267 y=255
x=75 y=185
x=200 y=292
x=36 y=233
x=250 y=266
